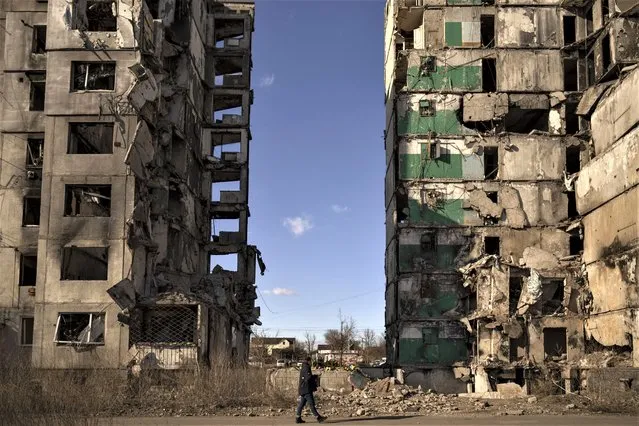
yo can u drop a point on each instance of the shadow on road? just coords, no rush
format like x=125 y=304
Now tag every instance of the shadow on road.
x=365 y=419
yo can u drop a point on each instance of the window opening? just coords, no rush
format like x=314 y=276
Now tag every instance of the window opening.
x=80 y=329
x=605 y=12
x=35 y=152
x=570 y=30
x=84 y=263
x=576 y=244
x=93 y=76
x=26 y=331
x=572 y=205
x=100 y=15
x=31 y=211
x=491 y=245
x=553 y=297
x=489 y=75
x=37 y=90
x=154 y=8
x=572 y=119
x=570 y=75
x=491 y=162
x=519 y=120
x=28 y=270
x=39 y=39
x=589 y=21
x=517 y=350
x=492 y=196
x=426 y=108
x=555 y=344
x=590 y=64
x=87 y=200
x=90 y=138
x=487 y=30
x=515 y=285
x=573 y=162
x=605 y=52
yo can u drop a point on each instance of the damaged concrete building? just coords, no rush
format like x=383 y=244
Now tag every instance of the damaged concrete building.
x=123 y=176
x=511 y=191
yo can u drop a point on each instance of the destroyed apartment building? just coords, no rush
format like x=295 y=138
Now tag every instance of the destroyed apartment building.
x=123 y=179
x=512 y=152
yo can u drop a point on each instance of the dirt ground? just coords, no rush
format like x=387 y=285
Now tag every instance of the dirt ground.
x=483 y=420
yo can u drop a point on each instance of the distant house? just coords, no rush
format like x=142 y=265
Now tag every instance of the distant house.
x=326 y=354
x=274 y=346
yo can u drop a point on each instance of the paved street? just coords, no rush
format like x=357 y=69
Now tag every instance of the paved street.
x=399 y=421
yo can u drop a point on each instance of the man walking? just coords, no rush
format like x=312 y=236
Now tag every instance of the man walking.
x=307 y=386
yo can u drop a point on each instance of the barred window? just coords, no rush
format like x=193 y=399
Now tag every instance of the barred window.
x=175 y=324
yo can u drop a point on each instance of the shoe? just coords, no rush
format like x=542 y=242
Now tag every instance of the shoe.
x=299 y=420
x=320 y=419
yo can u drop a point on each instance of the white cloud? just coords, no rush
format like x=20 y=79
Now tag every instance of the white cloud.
x=279 y=291
x=267 y=80
x=340 y=209
x=298 y=225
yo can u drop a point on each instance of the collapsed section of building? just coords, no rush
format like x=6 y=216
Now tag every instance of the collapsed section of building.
x=124 y=175
x=511 y=191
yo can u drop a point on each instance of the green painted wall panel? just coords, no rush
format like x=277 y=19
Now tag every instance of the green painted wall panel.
x=442 y=258
x=449 y=213
x=415 y=166
x=446 y=351
x=453 y=32
x=444 y=77
x=444 y=122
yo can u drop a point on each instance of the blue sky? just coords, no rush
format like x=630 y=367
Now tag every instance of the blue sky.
x=317 y=163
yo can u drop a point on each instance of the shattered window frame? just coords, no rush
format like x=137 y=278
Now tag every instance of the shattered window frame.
x=81 y=80
x=89 y=332
x=39 y=45
x=66 y=256
x=98 y=196
x=35 y=151
x=90 y=15
x=78 y=139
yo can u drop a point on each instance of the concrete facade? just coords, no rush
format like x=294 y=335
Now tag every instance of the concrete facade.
x=510 y=143
x=111 y=156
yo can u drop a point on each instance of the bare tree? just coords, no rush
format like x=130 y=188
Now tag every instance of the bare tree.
x=309 y=342
x=369 y=341
x=341 y=340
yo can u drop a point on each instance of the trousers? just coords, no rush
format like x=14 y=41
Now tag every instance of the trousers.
x=303 y=399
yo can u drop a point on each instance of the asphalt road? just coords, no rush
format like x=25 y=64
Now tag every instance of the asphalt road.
x=392 y=421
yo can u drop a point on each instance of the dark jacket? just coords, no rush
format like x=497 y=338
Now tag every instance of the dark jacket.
x=307 y=381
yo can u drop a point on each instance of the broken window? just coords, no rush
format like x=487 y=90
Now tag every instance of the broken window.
x=492 y=196
x=92 y=76
x=552 y=297
x=517 y=351
x=35 y=151
x=39 y=39
x=31 y=211
x=572 y=119
x=175 y=324
x=572 y=205
x=487 y=30
x=96 y=15
x=87 y=200
x=37 y=90
x=576 y=244
x=555 y=344
x=491 y=162
x=515 y=284
x=521 y=120
x=573 y=161
x=26 y=331
x=228 y=262
x=84 y=263
x=426 y=108
x=491 y=245
x=490 y=220
x=571 y=79
x=429 y=64
x=605 y=52
x=154 y=8
x=409 y=40
x=489 y=75
x=80 y=329
x=570 y=30
x=90 y=138
x=175 y=202
x=589 y=21
x=28 y=270
x=590 y=69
